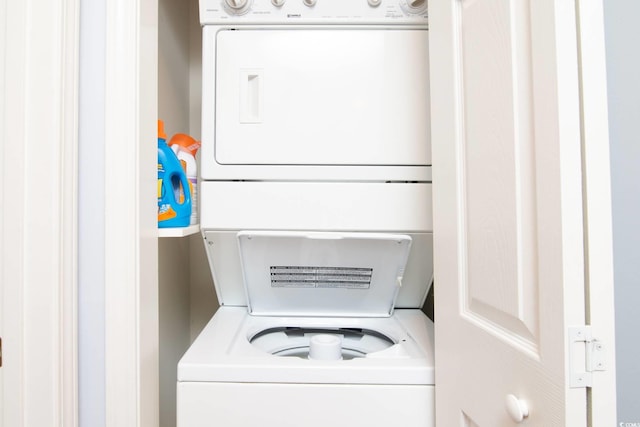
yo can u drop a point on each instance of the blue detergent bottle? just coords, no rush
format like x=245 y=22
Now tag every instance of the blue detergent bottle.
x=174 y=195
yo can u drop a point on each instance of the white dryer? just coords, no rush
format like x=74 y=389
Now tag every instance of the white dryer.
x=316 y=216
x=328 y=90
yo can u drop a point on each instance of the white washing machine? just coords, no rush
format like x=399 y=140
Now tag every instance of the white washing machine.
x=316 y=216
x=319 y=343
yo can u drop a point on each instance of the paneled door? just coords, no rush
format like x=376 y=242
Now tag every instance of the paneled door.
x=509 y=212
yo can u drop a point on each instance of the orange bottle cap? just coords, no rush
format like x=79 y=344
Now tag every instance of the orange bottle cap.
x=186 y=142
x=161 y=133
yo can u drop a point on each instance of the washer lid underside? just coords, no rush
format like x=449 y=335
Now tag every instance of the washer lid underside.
x=322 y=274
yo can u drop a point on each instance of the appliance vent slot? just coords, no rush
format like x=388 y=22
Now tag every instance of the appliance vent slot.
x=320 y=277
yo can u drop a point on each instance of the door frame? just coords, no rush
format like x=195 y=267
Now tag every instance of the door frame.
x=38 y=221
x=598 y=229
x=131 y=233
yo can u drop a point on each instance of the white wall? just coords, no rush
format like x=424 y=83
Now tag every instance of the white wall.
x=91 y=308
x=622 y=34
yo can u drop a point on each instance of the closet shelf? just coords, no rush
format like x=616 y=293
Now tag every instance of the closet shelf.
x=179 y=231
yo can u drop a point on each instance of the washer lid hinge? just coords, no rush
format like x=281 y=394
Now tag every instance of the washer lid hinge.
x=586 y=355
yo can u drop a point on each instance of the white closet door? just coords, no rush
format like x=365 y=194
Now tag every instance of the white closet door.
x=508 y=216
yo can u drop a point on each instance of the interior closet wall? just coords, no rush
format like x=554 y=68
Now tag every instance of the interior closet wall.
x=204 y=302
x=186 y=295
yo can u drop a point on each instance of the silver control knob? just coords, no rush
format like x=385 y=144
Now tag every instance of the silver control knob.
x=374 y=3
x=309 y=3
x=237 y=7
x=278 y=3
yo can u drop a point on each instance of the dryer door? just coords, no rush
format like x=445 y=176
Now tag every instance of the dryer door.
x=319 y=97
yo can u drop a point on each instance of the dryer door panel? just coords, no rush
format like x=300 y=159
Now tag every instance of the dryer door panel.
x=322 y=97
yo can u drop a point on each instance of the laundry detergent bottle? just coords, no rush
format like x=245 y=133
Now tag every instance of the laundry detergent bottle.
x=186 y=148
x=174 y=194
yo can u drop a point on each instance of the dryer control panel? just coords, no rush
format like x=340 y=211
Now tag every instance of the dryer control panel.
x=310 y=12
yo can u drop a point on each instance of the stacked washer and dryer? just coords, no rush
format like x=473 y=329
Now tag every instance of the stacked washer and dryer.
x=316 y=216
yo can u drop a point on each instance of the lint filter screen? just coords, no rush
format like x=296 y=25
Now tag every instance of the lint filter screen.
x=320 y=277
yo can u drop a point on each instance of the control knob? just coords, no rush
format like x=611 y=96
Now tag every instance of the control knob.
x=374 y=3
x=309 y=3
x=278 y=3
x=415 y=6
x=237 y=7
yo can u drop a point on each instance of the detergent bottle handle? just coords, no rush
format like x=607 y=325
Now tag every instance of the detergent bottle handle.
x=186 y=188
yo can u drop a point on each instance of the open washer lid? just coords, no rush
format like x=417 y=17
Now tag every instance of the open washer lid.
x=322 y=274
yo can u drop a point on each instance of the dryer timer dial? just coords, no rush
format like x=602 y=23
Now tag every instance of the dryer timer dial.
x=237 y=7
x=415 y=7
